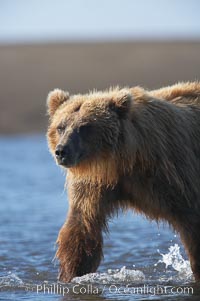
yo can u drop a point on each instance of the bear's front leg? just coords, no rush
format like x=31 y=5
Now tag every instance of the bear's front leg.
x=79 y=246
x=190 y=236
x=192 y=245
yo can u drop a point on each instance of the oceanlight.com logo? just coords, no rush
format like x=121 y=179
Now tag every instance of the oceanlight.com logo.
x=114 y=289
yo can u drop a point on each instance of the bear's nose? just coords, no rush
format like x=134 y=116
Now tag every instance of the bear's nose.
x=60 y=152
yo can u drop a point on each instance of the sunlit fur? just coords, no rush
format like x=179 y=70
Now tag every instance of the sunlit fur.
x=144 y=154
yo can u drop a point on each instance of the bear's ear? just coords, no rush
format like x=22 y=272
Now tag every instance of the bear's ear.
x=54 y=99
x=121 y=103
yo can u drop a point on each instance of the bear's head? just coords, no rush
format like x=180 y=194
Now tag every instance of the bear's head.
x=87 y=128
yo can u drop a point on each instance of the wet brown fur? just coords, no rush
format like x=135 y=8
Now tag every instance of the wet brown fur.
x=151 y=163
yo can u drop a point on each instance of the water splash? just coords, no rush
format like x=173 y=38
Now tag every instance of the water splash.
x=174 y=259
x=11 y=280
x=122 y=275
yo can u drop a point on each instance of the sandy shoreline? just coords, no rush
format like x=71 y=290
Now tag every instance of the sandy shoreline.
x=28 y=72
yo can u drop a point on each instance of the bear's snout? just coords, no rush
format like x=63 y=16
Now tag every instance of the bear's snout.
x=68 y=152
x=62 y=154
x=65 y=155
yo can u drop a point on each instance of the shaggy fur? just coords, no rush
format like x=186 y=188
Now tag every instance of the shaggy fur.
x=126 y=148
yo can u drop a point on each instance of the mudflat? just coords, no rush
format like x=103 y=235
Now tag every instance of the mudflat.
x=29 y=72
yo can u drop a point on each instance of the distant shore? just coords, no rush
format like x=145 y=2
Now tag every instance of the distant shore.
x=29 y=72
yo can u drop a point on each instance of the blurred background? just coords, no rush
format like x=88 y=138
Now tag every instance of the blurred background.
x=80 y=45
x=77 y=46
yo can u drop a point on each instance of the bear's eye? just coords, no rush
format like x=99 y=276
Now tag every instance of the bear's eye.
x=61 y=129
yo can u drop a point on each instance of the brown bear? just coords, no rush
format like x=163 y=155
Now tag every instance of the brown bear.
x=126 y=148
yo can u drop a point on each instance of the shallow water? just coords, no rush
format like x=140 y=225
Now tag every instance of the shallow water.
x=143 y=260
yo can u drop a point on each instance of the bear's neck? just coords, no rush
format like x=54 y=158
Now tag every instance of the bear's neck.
x=103 y=171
